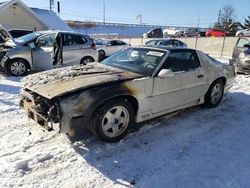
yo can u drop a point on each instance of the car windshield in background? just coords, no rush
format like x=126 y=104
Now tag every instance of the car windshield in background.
x=139 y=60
x=28 y=37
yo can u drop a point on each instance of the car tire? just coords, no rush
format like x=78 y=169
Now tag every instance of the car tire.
x=214 y=94
x=86 y=60
x=240 y=35
x=166 y=35
x=111 y=121
x=101 y=55
x=17 y=67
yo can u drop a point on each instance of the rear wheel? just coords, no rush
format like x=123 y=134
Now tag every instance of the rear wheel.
x=101 y=55
x=86 y=60
x=240 y=35
x=17 y=67
x=112 y=120
x=214 y=94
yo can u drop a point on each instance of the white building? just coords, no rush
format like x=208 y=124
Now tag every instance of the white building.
x=14 y=14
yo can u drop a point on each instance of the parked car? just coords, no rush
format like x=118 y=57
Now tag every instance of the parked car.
x=174 y=43
x=133 y=85
x=154 y=33
x=6 y=41
x=16 y=33
x=216 y=33
x=46 y=50
x=243 y=32
x=191 y=32
x=241 y=55
x=106 y=48
x=172 y=32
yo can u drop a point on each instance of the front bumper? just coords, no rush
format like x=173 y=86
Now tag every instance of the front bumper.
x=242 y=65
x=38 y=118
x=40 y=110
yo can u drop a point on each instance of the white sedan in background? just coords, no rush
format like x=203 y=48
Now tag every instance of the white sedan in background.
x=106 y=48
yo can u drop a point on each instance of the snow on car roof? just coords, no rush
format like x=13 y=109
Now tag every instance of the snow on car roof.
x=51 y=19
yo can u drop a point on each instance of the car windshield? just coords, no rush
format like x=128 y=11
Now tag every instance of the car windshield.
x=139 y=60
x=28 y=37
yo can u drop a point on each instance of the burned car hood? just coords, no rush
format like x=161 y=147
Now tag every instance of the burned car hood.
x=61 y=81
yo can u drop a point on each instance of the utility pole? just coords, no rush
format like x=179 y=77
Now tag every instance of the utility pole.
x=198 y=24
x=218 y=23
x=104 y=11
x=51 y=3
x=139 y=16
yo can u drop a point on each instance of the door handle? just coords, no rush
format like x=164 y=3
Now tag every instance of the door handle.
x=200 y=76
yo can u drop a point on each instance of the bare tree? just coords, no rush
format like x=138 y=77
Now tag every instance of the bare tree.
x=247 y=22
x=227 y=20
x=228 y=14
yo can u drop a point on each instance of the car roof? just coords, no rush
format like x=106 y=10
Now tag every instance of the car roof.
x=162 y=48
x=60 y=31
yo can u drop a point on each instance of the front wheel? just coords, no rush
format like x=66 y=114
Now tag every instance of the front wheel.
x=17 y=67
x=86 y=60
x=112 y=120
x=214 y=94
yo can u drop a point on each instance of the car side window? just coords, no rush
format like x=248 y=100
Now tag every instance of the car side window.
x=176 y=43
x=182 y=61
x=151 y=42
x=164 y=42
x=46 y=40
x=120 y=43
x=241 y=42
x=69 y=40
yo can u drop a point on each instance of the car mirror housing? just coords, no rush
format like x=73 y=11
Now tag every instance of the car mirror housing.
x=165 y=73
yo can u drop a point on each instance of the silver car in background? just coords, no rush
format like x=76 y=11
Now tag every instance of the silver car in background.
x=243 y=32
x=106 y=47
x=46 y=50
x=174 y=43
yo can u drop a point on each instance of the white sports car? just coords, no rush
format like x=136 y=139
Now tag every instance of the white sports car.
x=131 y=86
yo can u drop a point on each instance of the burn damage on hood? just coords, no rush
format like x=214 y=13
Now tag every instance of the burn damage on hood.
x=58 y=82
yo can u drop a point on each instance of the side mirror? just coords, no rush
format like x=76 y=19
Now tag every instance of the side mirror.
x=246 y=46
x=165 y=73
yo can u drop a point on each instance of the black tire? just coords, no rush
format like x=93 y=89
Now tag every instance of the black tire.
x=101 y=116
x=214 y=94
x=17 y=67
x=86 y=60
x=240 y=35
x=101 y=55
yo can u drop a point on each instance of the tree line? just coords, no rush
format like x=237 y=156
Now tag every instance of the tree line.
x=227 y=20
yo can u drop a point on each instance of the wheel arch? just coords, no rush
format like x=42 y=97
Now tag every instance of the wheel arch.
x=223 y=78
x=17 y=58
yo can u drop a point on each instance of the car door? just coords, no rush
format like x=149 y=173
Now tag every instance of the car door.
x=74 y=48
x=185 y=85
x=239 y=47
x=247 y=33
x=42 y=55
x=113 y=46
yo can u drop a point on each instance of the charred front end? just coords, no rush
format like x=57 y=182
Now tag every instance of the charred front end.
x=42 y=110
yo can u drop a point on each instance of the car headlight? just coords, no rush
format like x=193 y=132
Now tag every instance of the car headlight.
x=242 y=55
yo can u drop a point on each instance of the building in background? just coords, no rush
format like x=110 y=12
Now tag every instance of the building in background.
x=14 y=14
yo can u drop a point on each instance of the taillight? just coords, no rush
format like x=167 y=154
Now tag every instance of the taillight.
x=93 y=46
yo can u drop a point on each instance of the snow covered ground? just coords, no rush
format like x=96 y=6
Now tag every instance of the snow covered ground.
x=197 y=147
